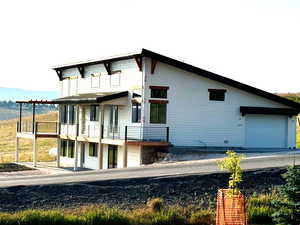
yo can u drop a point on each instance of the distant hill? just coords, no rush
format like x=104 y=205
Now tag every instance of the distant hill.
x=292 y=96
x=14 y=94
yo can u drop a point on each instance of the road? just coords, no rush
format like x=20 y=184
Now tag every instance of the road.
x=168 y=169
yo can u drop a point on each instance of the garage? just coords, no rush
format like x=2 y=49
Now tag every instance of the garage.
x=266 y=131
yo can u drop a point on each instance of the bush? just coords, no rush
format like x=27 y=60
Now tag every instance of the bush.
x=203 y=217
x=167 y=218
x=156 y=204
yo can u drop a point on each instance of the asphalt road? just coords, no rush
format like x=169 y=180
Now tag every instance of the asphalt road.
x=168 y=169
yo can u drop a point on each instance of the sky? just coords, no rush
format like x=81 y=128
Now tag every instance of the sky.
x=256 y=42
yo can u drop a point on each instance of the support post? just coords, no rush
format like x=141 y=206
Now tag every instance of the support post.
x=100 y=145
x=20 y=119
x=76 y=155
x=17 y=150
x=34 y=148
x=125 y=156
x=33 y=118
x=58 y=152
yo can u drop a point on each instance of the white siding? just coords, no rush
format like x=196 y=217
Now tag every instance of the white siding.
x=192 y=118
x=134 y=156
x=130 y=78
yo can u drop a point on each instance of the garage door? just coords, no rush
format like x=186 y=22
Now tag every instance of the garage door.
x=267 y=131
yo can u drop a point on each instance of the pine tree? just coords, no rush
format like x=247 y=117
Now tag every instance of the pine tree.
x=288 y=211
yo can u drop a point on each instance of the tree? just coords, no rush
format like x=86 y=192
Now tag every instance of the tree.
x=232 y=164
x=288 y=211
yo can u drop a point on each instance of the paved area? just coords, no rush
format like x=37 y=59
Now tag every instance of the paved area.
x=156 y=170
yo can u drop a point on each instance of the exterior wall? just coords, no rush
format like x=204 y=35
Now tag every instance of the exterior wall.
x=134 y=156
x=97 y=80
x=196 y=121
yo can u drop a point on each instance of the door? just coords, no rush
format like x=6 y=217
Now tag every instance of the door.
x=112 y=156
x=114 y=121
x=266 y=131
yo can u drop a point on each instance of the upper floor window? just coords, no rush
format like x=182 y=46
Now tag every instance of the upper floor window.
x=136 y=112
x=159 y=91
x=158 y=111
x=94 y=113
x=64 y=114
x=71 y=114
x=217 y=94
x=93 y=149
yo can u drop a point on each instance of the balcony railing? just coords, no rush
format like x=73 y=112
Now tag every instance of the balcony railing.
x=48 y=127
x=159 y=134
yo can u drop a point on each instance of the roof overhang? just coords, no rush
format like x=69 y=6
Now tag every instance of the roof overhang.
x=184 y=66
x=81 y=99
x=268 y=111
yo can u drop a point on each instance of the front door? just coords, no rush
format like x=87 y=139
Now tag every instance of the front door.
x=112 y=156
x=114 y=121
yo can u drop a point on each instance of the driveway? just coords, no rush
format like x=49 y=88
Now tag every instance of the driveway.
x=156 y=170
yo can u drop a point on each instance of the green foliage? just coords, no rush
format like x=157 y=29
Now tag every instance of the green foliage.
x=167 y=217
x=288 y=211
x=203 y=217
x=232 y=164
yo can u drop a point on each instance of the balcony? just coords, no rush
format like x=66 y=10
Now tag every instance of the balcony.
x=38 y=129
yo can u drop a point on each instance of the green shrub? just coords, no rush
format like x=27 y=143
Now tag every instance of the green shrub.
x=108 y=217
x=203 y=217
x=167 y=217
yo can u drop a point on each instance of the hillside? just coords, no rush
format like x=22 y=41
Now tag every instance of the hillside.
x=292 y=96
x=8 y=139
x=15 y=94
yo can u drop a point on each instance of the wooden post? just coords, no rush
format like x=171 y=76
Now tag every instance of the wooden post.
x=34 y=148
x=20 y=119
x=58 y=152
x=33 y=118
x=17 y=150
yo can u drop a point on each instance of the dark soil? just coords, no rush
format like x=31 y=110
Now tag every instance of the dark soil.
x=12 y=167
x=131 y=193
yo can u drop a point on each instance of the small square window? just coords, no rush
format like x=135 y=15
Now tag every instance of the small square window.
x=216 y=94
x=159 y=93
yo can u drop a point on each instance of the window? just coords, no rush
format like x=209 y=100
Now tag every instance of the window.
x=71 y=114
x=136 y=112
x=94 y=113
x=115 y=79
x=71 y=149
x=64 y=114
x=216 y=94
x=93 y=149
x=158 y=113
x=95 y=80
x=159 y=91
x=63 y=148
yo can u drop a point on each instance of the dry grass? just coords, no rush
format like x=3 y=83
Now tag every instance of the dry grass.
x=8 y=141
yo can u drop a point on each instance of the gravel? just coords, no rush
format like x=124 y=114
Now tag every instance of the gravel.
x=133 y=193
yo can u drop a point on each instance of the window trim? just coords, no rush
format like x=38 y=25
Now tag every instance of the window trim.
x=217 y=91
x=158 y=102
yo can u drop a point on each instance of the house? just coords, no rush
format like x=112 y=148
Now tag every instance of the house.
x=122 y=111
